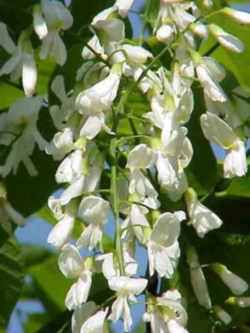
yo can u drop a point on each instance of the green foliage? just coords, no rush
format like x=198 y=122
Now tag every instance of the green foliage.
x=11 y=278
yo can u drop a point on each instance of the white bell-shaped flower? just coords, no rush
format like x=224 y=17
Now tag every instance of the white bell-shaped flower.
x=73 y=266
x=48 y=20
x=126 y=289
x=222 y=314
x=95 y=323
x=22 y=64
x=227 y=40
x=81 y=314
x=144 y=190
x=163 y=247
x=198 y=280
x=21 y=120
x=136 y=222
x=141 y=156
x=61 y=115
x=61 y=232
x=61 y=144
x=124 y=6
x=235 y=283
x=219 y=132
x=237 y=15
x=201 y=218
x=95 y=210
x=166 y=314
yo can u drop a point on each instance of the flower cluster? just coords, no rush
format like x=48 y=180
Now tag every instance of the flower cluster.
x=144 y=167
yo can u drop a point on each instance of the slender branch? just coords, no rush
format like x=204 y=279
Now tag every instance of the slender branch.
x=116 y=204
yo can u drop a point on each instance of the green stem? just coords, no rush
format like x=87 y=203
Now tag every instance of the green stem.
x=97 y=55
x=116 y=204
x=134 y=203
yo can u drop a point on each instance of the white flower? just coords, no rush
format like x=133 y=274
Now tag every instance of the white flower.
x=61 y=232
x=126 y=288
x=141 y=186
x=81 y=315
x=109 y=28
x=109 y=265
x=95 y=323
x=237 y=15
x=22 y=64
x=93 y=101
x=235 y=163
x=136 y=54
x=165 y=32
x=141 y=156
x=236 y=284
x=124 y=6
x=61 y=115
x=47 y=22
x=21 y=120
x=136 y=217
x=198 y=280
x=99 y=97
x=71 y=168
x=163 y=248
x=211 y=88
x=222 y=315
x=218 y=131
x=242 y=302
x=167 y=315
x=199 y=29
x=227 y=40
x=95 y=210
x=73 y=266
x=5 y=40
x=202 y=218
x=61 y=144
x=94 y=44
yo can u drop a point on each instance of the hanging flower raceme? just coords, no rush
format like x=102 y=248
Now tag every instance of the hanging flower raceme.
x=121 y=139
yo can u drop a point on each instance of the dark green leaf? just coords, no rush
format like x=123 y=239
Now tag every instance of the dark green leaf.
x=11 y=278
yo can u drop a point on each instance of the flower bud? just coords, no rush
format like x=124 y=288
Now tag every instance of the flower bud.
x=227 y=40
x=222 y=314
x=236 y=284
x=237 y=15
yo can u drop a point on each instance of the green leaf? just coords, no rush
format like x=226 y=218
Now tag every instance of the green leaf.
x=11 y=278
x=33 y=254
x=51 y=282
x=238 y=188
x=9 y=94
x=35 y=322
